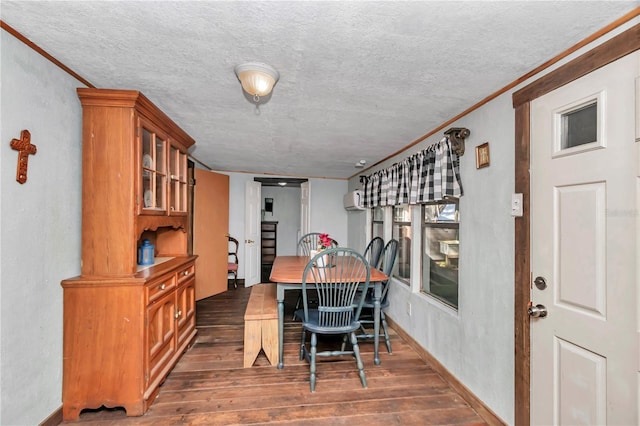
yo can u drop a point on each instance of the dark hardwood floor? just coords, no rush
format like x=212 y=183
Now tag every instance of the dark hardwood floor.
x=208 y=386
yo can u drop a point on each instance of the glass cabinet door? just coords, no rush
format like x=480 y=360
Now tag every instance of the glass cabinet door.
x=154 y=174
x=178 y=181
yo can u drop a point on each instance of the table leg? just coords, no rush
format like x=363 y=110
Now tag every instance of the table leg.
x=377 y=293
x=280 y=333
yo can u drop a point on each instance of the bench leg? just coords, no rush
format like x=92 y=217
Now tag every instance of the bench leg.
x=270 y=340
x=252 y=341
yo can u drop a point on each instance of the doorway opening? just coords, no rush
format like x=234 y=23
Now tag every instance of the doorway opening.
x=281 y=206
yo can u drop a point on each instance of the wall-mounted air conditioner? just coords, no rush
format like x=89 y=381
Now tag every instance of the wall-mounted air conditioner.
x=353 y=200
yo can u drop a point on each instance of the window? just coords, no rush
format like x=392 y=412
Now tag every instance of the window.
x=580 y=126
x=377 y=224
x=440 y=243
x=401 y=231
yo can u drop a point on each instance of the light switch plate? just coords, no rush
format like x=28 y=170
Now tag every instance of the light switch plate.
x=516 y=205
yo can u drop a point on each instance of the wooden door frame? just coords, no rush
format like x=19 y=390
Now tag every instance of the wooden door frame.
x=621 y=45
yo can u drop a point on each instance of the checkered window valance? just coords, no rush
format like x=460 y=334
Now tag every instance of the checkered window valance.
x=430 y=175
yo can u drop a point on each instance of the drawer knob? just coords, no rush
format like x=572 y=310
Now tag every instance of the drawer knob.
x=186 y=273
x=162 y=286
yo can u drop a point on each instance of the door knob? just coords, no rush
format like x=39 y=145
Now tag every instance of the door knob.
x=538 y=311
x=249 y=241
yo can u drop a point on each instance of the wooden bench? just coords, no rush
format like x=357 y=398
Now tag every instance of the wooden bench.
x=261 y=324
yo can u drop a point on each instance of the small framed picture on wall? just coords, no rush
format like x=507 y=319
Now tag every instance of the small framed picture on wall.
x=482 y=155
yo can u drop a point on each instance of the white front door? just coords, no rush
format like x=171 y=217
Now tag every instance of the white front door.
x=584 y=236
x=252 y=206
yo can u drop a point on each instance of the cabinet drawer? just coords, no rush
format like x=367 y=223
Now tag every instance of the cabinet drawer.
x=268 y=243
x=268 y=235
x=186 y=273
x=268 y=226
x=160 y=287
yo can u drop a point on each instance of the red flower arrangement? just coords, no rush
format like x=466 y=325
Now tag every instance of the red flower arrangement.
x=324 y=241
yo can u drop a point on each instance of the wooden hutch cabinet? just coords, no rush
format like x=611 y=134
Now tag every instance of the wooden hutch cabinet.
x=125 y=325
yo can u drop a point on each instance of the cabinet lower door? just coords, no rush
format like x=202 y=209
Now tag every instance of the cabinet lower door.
x=186 y=296
x=161 y=335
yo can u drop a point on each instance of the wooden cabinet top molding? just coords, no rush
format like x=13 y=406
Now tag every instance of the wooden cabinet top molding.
x=135 y=99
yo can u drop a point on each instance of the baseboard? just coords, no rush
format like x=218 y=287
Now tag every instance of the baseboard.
x=54 y=418
x=485 y=412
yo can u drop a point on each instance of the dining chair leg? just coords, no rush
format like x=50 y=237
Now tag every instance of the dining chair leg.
x=356 y=352
x=363 y=331
x=386 y=333
x=302 y=344
x=345 y=338
x=298 y=304
x=312 y=362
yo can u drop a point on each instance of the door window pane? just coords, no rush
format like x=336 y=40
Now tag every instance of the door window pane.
x=580 y=126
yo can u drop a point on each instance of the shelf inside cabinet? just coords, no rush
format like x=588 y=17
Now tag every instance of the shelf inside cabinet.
x=157 y=261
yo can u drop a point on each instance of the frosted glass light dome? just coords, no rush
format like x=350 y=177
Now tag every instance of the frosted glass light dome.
x=257 y=79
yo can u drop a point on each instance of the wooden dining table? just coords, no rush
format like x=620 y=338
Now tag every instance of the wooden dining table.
x=287 y=272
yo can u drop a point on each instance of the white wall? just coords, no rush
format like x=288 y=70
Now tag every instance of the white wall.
x=40 y=228
x=327 y=212
x=327 y=208
x=475 y=343
x=357 y=222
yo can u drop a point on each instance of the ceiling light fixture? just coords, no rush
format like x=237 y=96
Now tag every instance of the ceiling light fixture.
x=282 y=183
x=257 y=79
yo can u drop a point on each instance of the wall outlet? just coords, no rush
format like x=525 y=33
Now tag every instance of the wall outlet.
x=409 y=308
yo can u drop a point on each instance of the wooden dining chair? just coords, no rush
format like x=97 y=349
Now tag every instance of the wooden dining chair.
x=373 y=251
x=232 y=261
x=335 y=287
x=388 y=259
x=307 y=243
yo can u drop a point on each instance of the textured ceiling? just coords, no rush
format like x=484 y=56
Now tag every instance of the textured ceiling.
x=358 y=79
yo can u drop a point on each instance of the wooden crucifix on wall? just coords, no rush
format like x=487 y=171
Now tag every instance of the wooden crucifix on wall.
x=24 y=148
